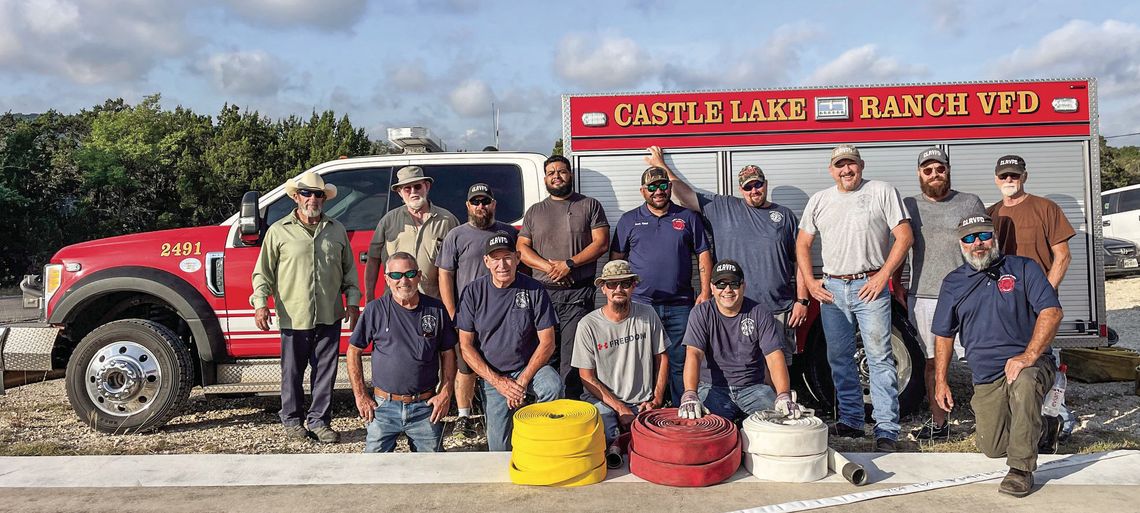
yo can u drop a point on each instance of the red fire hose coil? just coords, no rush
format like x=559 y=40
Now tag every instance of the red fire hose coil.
x=666 y=449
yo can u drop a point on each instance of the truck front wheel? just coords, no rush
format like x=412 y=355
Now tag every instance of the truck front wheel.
x=131 y=375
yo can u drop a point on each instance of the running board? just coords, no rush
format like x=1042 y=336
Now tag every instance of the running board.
x=263 y=376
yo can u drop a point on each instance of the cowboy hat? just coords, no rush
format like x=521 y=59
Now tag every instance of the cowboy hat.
x=312 y=182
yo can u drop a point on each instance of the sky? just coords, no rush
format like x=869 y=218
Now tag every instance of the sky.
x=441 y=64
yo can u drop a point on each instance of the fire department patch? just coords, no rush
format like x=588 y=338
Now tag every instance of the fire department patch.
x=428 y=325
x=521 y=299
x=747 y=327
x=678 y=224
x=1006 y=283
x=775 y=216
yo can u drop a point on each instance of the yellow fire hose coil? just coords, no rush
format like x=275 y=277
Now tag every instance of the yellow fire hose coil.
x=558 y=443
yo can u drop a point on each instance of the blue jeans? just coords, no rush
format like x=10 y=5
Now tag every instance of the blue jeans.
x=610 y=423
x=732 y=402
x=873 y=319
x=395 y=417
x=674 y=318
x=546 y=386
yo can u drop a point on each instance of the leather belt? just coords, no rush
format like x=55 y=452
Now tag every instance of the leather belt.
x=406 y=399
x=851 y=277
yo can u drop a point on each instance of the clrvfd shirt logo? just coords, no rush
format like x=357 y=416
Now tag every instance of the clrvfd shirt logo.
x=678 y=224
x=775 y=216
x=521 y=299
x=1006 y=282
x=747 y=327
x=428 y=325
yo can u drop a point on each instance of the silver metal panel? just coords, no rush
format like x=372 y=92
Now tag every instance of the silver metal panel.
x=267 y=371
x=28 y=348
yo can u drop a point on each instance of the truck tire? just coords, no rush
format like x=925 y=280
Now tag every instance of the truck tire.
x=817 y=387
x=128 y=376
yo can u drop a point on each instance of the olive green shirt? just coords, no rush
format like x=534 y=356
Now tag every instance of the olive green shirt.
x=397 y=231
x=307 y=272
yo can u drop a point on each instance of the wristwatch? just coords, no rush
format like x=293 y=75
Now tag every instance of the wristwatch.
x=569 y=263
x=803 y=301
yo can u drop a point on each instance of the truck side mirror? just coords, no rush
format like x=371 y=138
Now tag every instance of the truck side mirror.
x=249 y=220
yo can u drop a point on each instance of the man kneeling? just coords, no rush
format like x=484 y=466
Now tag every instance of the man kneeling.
x=1006 y=314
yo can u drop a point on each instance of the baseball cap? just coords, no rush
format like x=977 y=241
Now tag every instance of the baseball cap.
x=936 y=154
x=654 y=174
x=974 y=224
x=479 y=189
x=500 y=240
x=749 y=173
x=615 y=270
x=845 y=151
x=727 y=270
x=1010 y=164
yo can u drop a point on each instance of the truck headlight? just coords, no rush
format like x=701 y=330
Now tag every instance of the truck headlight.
x=53 y=276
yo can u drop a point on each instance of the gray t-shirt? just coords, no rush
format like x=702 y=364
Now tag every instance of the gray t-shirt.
x=855 y=227
x=935 y=251
x=462 y=251
x=560 y=229
x=735 y=347
x=621 y=353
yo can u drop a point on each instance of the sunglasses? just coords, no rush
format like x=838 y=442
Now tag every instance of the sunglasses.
x=480 y=200
x=406 y=274
x=1007 y=176
x=412 y=186
x=614 y=285
x=732 y=285
x=752 y=185
x=307 y=193
x=984 y=236
x=927 y=171
x=654 y=187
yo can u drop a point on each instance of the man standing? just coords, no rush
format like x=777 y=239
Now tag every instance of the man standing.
x=1027 y=225
x=306 y=262
x=506 y=335
x=730 y=341
x=620 y=353
x=659 y=239
x=855 y=220
x=561 y=240
x=934 y=217
x=460 y=261
x=1012 y=367
x=757 y=233
x=413 y=345
x=417 y=229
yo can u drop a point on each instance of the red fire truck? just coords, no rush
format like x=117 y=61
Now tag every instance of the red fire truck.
x=789 y=133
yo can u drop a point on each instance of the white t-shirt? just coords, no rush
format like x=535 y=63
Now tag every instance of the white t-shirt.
x=854 y=227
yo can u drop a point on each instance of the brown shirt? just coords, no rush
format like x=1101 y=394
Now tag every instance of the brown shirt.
x=397 y=232
x=560 y=229
x=1030 y=228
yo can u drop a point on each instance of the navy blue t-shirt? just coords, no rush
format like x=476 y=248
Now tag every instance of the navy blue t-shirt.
x=994 y=313
x=660 y=250
x=734 y=347
x=405 y=343
x=761 y=240
x=505 y=321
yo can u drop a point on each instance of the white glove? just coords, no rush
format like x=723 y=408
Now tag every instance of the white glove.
x=786 y=405
x=691 y=407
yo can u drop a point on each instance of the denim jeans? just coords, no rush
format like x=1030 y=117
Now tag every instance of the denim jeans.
x=412 y=419
x=732 y=402
x=873 y=319
x=545 y=386
x=674 y=318
x=610 y=424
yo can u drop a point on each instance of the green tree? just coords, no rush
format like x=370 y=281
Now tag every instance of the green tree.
x=557 y=148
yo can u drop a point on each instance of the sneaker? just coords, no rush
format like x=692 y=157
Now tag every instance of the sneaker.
x=1017 y=483
x=841 y=429
x=885 y=445
x=326 y=435
x=928 y=431
x=296 y=432
x=464 y=428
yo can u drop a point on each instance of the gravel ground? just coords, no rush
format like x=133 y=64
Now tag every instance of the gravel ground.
x=37 y=420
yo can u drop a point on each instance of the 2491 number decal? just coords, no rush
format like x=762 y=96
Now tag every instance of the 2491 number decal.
x=181 y=249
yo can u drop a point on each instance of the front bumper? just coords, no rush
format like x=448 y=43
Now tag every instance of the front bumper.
x=26 y=348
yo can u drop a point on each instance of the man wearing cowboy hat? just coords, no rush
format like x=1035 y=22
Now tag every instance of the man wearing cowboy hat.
x=306 y=263
x=418 y=228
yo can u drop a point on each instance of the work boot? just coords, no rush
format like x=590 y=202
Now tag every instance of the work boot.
x=928 y=431
x=1017 y=483
x=326 y=435
x=296 y=432
x=885 y=445
x=1050 y=434
x=841 y=429
x=464 y=428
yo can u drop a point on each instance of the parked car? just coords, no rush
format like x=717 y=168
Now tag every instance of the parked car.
x=1120 y=257
x=1121 y=214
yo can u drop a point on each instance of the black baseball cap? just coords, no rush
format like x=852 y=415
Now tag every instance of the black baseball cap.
x=936 y=154
x=500 y=240
x=975 y=224
x=1010 y=164
x=727 y=270
x=479 y=189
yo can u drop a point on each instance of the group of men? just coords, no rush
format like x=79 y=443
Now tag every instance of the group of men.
x=721 y=346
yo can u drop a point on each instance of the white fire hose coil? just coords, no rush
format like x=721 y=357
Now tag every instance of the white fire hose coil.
x=771 y=434
x=787 y=469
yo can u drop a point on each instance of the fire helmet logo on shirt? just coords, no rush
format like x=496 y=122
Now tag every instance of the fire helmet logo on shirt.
x=747 y=327
x=864 y=202
x=521 y=299
x=775 y=216
x=428 y=325
x=1006 y=283
x=678 y=224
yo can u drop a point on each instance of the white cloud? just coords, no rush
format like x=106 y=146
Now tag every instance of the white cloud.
x=612 y=62
x=773 y=62
x=330 y=15
x=408 y=76
x=471 y=98
x=864 y=65
x=254 y=73
x=1109 y=51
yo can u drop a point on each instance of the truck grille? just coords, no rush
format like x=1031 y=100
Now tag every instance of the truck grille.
x=1123 y=251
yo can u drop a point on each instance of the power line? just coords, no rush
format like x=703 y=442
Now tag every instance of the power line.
x=1121 y=135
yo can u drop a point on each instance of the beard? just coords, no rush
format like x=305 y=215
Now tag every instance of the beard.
x=1008 y=190
x=311 y=212
x=935 y=191
x=404 y=294
x=982 y=262
x=562 y=191
x=417 y=204
x=481 y=221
